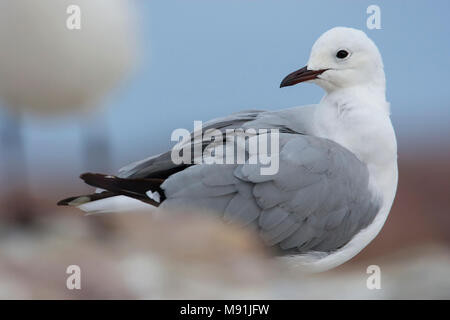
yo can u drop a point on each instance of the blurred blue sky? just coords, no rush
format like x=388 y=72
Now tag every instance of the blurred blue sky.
x=203 y=59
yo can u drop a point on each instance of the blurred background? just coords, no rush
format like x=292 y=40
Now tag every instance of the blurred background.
x=96 y=98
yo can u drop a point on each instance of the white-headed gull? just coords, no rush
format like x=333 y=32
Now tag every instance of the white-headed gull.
x=337 y=173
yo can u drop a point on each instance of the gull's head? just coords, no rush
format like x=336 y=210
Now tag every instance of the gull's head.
x=341 y=58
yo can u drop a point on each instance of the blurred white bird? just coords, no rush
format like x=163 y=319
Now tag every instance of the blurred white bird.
x=48 y=69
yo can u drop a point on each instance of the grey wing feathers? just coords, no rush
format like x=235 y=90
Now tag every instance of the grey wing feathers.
x=318 y=200
x=162 y=163
x=293 y=120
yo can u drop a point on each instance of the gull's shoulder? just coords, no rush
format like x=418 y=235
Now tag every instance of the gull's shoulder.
x=298 y=119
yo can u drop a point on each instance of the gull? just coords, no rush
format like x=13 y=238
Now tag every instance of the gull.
x=337 y=174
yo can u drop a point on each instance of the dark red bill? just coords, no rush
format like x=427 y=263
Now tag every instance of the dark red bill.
x=300 y=75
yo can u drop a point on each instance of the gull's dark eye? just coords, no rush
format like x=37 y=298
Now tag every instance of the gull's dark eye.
x=341 y=54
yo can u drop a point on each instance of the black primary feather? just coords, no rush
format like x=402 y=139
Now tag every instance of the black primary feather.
x=134 y=188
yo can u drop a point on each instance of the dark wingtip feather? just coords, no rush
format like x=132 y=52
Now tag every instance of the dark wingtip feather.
x=89 y=176
x=65 y=202
x=130 y=187
x=78 y=200
x=74 y=201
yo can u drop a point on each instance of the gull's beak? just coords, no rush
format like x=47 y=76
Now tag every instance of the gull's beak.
x=300 y=75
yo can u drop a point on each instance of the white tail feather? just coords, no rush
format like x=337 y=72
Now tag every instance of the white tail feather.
x=115 y=204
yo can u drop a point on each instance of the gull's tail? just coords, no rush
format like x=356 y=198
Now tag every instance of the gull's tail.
x=117 y=194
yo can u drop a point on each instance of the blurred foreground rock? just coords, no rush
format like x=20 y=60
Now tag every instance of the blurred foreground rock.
x=140 y=258
x=135 y=256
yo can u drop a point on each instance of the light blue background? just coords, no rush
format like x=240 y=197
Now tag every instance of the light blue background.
x=203 y=59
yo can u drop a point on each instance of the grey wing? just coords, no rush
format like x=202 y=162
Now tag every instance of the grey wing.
x=293 y=120
x=318 y=200
x=162 y=164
